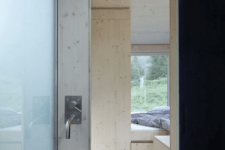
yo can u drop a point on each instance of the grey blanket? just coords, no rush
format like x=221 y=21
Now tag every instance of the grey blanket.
x=157 y=120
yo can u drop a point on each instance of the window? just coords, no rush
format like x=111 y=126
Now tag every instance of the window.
x=149 y=82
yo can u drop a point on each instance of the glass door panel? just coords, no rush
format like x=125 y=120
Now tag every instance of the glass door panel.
x=27 y=74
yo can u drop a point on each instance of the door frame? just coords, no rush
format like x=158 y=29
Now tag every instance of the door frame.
x=174 y=75
x=55 y=115
x=55 y=78
x=73 y=49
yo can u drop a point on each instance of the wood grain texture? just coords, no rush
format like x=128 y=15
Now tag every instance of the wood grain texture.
x=173 y=77
x=110 y=3
x=73 y=69
x=143 y=133
x=150 y=22
x=146 y=135
x=141 y=146
x=150 y=47
x=110 y=14
x=161 y=143
x=151 y=141
x=110 y=85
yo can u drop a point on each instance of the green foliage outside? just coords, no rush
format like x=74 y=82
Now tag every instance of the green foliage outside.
x=149 y=96
x=153 y=71
x=134 y=72
x=158 y=67
x=138 y=66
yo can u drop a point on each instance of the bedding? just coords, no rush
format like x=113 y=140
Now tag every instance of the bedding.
x=165 y=124
x=160 y=109
x=158 y=117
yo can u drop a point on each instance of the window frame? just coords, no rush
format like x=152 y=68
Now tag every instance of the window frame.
x=158 y=53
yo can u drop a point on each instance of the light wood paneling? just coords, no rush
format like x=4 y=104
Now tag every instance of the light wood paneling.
x=150 y=47
x=110 y=14
x=150 y=22
x=161 y=143
x=143 y=133
x=173 y=76
x=110 y=84
x=73 y=69
x=141 y=146
x=110 y=3
x=146 y=135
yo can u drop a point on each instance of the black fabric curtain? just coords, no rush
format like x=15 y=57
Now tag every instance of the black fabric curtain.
x=202 y=74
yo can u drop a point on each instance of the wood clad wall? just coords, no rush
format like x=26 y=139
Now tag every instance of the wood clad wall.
x=173 y=77
x=110 y=79
x=73 y=69
x=150 y=47
x=110 y=3
x=141 y=146
x=150 y=22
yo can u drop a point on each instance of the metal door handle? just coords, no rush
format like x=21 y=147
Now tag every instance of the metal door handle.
x=71 y=105
x=68 y=126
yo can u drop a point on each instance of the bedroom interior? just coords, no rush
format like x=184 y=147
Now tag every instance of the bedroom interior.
x=152 y=33
x=119 y=31
x=150 y=54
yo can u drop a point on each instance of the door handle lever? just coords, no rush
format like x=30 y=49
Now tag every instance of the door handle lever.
x=68 y=126
x=72 y=113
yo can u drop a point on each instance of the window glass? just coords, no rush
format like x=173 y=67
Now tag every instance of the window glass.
x=149 y=82
x=27 y=74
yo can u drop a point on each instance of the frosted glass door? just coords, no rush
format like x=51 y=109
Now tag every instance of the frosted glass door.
x=27 y=75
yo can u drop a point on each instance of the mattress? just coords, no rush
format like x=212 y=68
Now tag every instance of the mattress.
x=143 y=133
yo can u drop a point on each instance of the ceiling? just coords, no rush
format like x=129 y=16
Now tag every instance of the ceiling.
x=150 y=22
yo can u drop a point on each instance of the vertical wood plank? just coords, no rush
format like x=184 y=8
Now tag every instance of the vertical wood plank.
x=150 y=47
x=173 y=76
x=141 y=146
x=110 y=3
x=110 y=84
x=73 y=69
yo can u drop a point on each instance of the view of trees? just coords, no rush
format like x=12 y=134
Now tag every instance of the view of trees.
x=137 y=69
x=153 y=68
x=152 y=91
x=158 y=67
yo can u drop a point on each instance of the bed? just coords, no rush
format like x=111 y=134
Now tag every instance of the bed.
x=158 y=117
x=145 y=126
x=142 y=137
x=143 y=133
